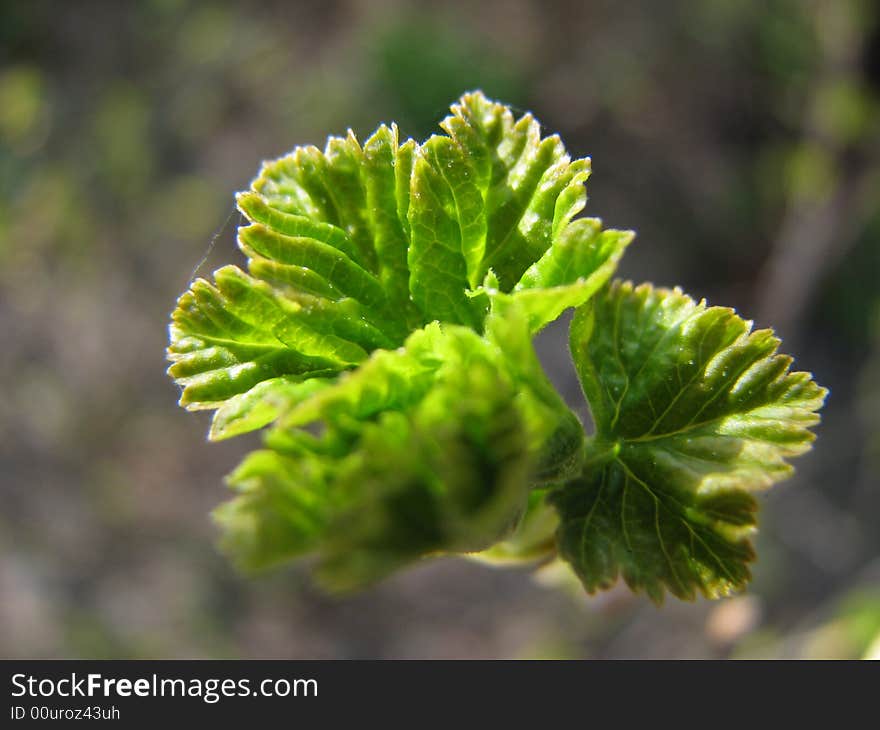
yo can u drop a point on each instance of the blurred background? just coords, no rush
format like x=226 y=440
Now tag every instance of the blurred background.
x=739 y=138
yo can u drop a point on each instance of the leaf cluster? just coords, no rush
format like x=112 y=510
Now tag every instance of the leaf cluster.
x=381 y=336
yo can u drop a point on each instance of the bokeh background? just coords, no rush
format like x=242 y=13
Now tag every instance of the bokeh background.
x=740 y=138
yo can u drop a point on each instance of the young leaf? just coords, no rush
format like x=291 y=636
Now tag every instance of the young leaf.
x=229 y=337
x=438 y=471
x=581 y=260
x=451 y=476
x=262 y=404
x=281 y=508
x=353 y=248
x=326 y=249
x=694 y=412
x=494 y=199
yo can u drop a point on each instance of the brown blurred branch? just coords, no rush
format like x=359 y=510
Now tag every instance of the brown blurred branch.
x=811 y=240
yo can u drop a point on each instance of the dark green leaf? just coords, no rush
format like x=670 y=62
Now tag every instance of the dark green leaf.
x=694 y=412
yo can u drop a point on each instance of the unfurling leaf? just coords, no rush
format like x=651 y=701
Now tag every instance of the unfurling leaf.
x=425 y=451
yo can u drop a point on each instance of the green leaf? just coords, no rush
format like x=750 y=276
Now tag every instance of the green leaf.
x=395 y=379
x=451 y=476
x=326 y=247
x=447 y=221
x=529 y=186
x=694 y=412
x=281 y=508
x=446 y=470
x=581 y=260
x=229 y=337
x=493 y=199
x=555 y=434
x=352 y=249
x=261 y=405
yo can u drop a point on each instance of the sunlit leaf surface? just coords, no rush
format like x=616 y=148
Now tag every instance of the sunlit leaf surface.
x=694 y=412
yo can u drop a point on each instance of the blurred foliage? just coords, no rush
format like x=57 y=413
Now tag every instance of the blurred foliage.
x=419 y=63
x=739 y=138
